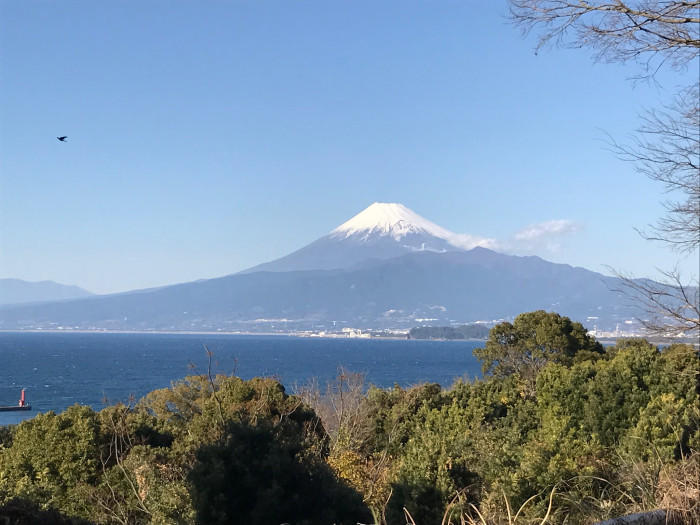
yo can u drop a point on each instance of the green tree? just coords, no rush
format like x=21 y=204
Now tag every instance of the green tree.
x=533 y=340
x=24 y=512
x=51 y=455
x=435 y=464
x=620 y=390
x=177 y=453
x=260 y=474
x=391 y=415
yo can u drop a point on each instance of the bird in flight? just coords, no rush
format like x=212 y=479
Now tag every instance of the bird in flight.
x=62 y=139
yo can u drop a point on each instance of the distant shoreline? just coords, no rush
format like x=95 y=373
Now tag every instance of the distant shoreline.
x=610 y=340
x=201 y=332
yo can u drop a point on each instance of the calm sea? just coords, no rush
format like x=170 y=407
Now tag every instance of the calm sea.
x=61 y=369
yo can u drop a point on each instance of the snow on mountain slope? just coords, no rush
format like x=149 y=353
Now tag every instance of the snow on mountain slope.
x=381 y=231
x=392 y=219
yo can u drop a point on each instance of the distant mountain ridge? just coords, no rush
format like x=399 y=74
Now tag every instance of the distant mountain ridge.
x=17 y=291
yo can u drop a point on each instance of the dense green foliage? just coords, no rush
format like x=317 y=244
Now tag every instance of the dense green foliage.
x=467 y=331
x=610 y=431
x=534 y=340
x=219 y=451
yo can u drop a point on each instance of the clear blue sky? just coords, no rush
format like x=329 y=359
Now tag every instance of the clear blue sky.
x=206 y=137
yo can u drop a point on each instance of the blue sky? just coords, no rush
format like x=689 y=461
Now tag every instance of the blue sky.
x=206 y=137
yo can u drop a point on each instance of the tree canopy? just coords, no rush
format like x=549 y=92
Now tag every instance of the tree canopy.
x=532 y=341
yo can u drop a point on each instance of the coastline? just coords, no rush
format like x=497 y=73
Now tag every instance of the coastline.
x=306 y=335
x=298 y=335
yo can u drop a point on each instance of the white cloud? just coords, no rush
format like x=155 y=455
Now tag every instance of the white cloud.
x=467 y=242
x=546 y=230
x=544 y=238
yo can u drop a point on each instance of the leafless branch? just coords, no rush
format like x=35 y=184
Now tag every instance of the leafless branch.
x=646 y=31
x=667 y=150
x=653 y=33
x=120 y=443
x=339 y=407
x=214 y=389
x=671 y=308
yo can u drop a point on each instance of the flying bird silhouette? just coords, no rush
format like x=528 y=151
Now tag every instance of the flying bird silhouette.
x=62 y=139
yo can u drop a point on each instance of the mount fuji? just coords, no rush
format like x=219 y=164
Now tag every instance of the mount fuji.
x=381 y=231
x=387 y=267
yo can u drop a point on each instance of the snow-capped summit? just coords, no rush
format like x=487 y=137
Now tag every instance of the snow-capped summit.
x=381 y=231
x=392 y=219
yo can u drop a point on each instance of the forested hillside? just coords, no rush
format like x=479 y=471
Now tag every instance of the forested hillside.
x=466 y=331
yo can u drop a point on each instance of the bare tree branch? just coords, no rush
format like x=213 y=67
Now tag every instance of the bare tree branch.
x=652 y=33
x=667 y=150
x=214 y=388
x=670 y=308
x=645 y=31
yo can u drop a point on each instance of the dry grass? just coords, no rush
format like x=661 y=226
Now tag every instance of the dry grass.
x=678 y=490
x=475 y=517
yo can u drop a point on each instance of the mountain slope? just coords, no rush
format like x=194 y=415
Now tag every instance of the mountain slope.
x=453 y=286
x=15 y=291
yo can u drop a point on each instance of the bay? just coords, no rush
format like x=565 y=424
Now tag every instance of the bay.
x=61 y=369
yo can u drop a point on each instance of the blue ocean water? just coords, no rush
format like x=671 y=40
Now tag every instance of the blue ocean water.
x=61 y=369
